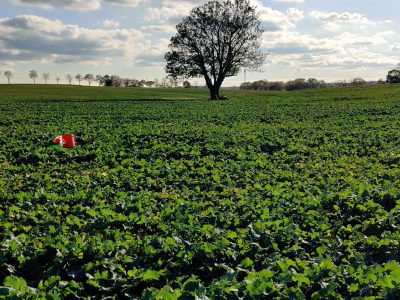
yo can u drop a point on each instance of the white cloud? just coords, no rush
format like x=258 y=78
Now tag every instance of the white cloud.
x=154 y=55
x=79 y=5
x=191 y=2
x=111 y=23
x=132 y=3
x=333 y=21
x=163 y=28
x=169 y=14
x=29 y=37
x=275 y=20
x=289 y=1
x=295 y=14
x=347 y=50
x=337 y=17
x=7 y=64
x=171 y=11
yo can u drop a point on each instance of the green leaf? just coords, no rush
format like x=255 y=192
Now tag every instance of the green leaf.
x=149 y=250
x=153 y=275
x=385 y=282
x=353 y=288
x=194 y=287
x=301 y=279
x=133 y=273
x=16 y=283
x=167 y=293
x=246 y=263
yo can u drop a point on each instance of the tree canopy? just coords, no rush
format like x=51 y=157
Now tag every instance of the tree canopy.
x=393 y=76
x=9 y=75
x=33 y=75
x=215 y=41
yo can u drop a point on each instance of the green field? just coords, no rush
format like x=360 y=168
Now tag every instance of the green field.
x=171 y=196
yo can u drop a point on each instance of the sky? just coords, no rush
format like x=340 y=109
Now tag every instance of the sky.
x=325 y=39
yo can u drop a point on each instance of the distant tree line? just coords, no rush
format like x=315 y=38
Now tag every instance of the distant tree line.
x=114 y=80
x=106 y=80
x=312 y=83
x=296 y=84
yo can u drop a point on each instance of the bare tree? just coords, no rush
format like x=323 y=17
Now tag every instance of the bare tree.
x=46 y=77
x=116 y=81
x=58 y=80
x=127 y=82
x=9 y=75
x=79 y=78
x=173 y=82
x=33 y=75
x=164 y=82
x=215 y=41
x=150 y=83
x=381 y=81
x=89 y=78
x=100 y=79
x=358 y=81
x=69 y=78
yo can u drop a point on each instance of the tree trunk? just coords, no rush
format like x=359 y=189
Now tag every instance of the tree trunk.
x=214 y=93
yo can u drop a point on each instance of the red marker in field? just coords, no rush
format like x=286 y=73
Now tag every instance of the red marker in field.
x=65 y=141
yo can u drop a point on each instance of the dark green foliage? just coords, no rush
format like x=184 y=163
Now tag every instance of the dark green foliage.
x=302 y=84
x=393 y=76
x=268 y=195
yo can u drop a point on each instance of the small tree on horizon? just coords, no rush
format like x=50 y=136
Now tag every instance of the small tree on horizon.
x=116 y=81
x=89 y=78
x=313 y=83
x=79 y=78
x=381 y=81
x=9 y=75
x=358 y=81
x=33 y=75
x=393 y=76
x=100 y=79
x=215 y=41
x=46 y=76
x=69 y=78
x=149 y=83
x=57 y=79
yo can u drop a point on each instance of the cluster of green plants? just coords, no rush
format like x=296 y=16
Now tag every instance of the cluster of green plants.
x=171 y=196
